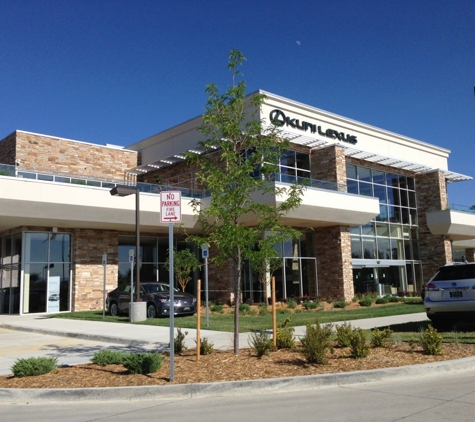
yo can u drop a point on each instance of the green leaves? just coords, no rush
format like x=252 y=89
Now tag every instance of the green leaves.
x=241 y=218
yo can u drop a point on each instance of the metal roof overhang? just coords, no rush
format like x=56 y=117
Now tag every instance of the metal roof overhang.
x=318 y=142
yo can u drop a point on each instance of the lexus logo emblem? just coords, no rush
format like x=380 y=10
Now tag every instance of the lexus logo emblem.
x=454 y=284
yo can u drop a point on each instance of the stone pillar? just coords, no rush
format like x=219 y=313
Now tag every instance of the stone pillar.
x=88 y=272
x=470 y=254
x=334 y=267
x=329 y=164
x=431 y=194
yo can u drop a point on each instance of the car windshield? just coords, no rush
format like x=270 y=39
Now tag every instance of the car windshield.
x=455 y=272
x=157 y=288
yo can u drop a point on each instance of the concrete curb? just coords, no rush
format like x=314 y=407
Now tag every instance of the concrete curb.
x=183 y=391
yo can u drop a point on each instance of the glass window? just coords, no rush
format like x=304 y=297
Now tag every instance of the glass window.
x=36 y=247
x=368 y=229
x=352 y=186
x=366 y=189
x=356 y=249
x=384 y=250
x=59 y=247
x=393 y=196
x=379 y=177
x=412 y=199
x=410 y=183
x=351 y=171
x=397 y=249
x=364 y=174
x=380 y=193
x=369 y=248
x=383 y=213
x=402 y=182
x=396 y=230
x=302 y=161
x=355 y=230
x=382 y=230
x=404 y=200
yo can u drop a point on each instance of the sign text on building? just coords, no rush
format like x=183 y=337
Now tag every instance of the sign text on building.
x=278 y=118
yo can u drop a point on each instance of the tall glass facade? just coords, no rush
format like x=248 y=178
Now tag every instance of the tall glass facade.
x=153 y=255
x=36 y=265
x=385 y=251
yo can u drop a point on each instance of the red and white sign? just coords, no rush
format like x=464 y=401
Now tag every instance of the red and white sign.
x=170 y=207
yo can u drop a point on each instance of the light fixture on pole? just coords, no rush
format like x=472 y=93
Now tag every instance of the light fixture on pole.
x=126 y=191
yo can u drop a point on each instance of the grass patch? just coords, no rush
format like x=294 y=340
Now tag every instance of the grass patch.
x=225 y=322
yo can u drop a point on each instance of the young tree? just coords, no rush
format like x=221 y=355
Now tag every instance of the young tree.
x=184 y=262
x=237 y=168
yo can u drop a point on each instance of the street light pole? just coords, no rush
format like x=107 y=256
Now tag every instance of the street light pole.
x=137 y=244
x=126 y=191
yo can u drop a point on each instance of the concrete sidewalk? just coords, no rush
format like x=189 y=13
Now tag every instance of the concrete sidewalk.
x=76 y=341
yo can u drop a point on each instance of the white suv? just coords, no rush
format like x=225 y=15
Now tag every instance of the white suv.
x=450 y=294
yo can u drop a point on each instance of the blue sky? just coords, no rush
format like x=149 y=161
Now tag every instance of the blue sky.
x=117 y=71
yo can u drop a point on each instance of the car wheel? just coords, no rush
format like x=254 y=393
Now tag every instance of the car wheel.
x=114 y=309
x=151 y=311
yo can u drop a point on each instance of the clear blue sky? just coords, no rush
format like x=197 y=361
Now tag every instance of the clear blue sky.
x=117 y=71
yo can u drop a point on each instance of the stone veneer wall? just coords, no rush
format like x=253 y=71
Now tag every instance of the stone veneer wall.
x=470 y=254
x=334 y=267
x=57 y=155
x=431 y=195
x=88 y=273
x=329 y=164
x=7 y=150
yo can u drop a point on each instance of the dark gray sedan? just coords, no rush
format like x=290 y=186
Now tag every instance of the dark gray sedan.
x=157 y=296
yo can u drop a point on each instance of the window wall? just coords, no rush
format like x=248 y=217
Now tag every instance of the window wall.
x=294 y=163
x=10 y=261
x=47 y=272
x=391 y=239
x=153 y=255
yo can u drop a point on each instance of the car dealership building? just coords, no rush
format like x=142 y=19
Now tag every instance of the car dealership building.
x=374 y=217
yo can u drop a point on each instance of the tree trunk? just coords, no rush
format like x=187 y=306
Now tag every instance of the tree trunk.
x=237 y=300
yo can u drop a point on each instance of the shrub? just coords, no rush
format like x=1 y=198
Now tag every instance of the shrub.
x=263 y=309
x=206 y=347
x=382 y=300
x=108 y=357
x=244 y=308
x=394 y=299
x=179 y=341
x=282 y=311
x=380 y=338
x=343 y=334
x=317 y=343
x=30 y=367
x=431 y=341
x=291 y=303
x=261 y=343
x=359 y=347
x=310 y=304
x=340 y=304
x=285 y=335
x=216 y=308
x=143 y=363
x=366 y=300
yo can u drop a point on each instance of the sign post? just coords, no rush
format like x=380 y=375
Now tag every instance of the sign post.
x=170 y=212
x=205 y=255
x=104 y=264
x=131 y=260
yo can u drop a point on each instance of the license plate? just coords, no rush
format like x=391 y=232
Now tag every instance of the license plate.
x=456 y=293
x=186 y=308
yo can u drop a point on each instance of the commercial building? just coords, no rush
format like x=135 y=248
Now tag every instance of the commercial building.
x=375 y=216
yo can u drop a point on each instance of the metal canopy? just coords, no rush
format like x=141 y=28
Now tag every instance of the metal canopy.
x=318 y=142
